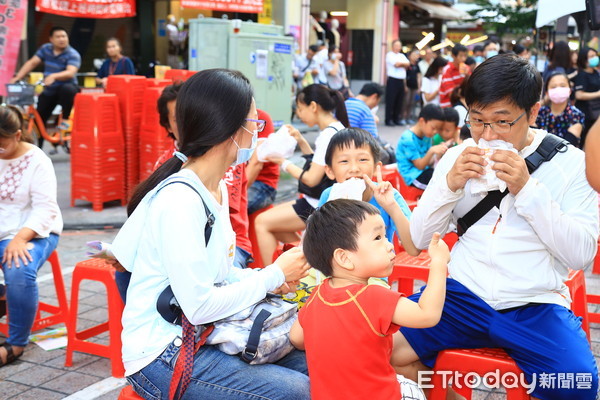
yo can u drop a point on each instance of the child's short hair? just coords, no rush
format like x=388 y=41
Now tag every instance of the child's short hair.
x=451 y=115
x=432 y=111
x=333 y=226
x=351 y=136
x=465 y=132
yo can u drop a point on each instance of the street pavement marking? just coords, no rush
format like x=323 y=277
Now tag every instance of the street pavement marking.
x=98 y=389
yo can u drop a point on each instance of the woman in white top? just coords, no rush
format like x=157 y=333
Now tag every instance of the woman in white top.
x=30 y=222
x=316 y=105
x=335 y=69
x=163 y=243
x=430 y=86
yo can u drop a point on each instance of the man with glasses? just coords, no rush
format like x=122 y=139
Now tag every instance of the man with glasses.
x=506 y=286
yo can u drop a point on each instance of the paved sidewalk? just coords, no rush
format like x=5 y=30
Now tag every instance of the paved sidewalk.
x=40 y=374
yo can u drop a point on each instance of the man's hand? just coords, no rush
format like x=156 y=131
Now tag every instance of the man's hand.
x=470 y=164
x=512 y=169
x=49 y=80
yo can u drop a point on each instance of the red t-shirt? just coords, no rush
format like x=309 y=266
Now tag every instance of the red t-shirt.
x=237 y=188
x=269 y=174
x=451 y=78
x=348 y=340
x=165 y=156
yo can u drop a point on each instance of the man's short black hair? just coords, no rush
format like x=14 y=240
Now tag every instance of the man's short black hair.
x=519 y=49
x=432 y=111
x=451 y=115
x=58 y=29
x=351 y=137
x=372 y=88
x=477 y=48
x=470 y=61
x=504 y=77
x=333 y=226
x=459 y=48
x=314 y=48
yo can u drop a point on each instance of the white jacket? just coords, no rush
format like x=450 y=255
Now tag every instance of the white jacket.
x=549 y=226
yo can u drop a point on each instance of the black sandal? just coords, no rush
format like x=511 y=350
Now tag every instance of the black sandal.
x=10 y=355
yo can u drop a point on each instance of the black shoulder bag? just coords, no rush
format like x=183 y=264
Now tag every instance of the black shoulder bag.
x=547 y=149
x=313 y=191
x=167 y=305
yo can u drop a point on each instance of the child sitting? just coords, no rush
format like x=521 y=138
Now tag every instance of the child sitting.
x=415 y=152
x=354 y=153
x=449 y=133
x=346 y=326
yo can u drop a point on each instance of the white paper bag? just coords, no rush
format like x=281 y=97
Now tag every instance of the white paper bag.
x=490 y=181
x=278 y=144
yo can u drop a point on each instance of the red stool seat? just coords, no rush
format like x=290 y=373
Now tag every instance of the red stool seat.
x=128 y=394
x=97 y=270
x=57 y=314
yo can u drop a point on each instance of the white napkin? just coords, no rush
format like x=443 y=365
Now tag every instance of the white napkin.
x=490 y=181
x=352 y=189
x=278 y=144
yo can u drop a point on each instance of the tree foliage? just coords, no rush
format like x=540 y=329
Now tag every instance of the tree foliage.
x=516 y=16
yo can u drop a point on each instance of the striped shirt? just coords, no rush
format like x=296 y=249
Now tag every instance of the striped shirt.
x=58 y=63
x=359 y=116
x=451 y=78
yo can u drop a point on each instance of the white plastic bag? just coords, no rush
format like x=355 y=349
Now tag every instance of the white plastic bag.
x=278 y=144
x=352 y=189
x=490 y=181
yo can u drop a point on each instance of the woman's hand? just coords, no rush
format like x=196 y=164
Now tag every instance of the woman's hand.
x=16 y=249
x=288 y=287
x=293 y=264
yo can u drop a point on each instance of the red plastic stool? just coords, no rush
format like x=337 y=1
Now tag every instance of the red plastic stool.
x=579 y=299
x=128 y=394
x=97 y=270
x=596 y=268
x=477 y=361
x=58 y=314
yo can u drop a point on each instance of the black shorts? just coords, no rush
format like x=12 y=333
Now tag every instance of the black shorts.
x=303 y=209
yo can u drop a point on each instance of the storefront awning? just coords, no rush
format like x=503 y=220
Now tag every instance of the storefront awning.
x=550 y=10
x=436 y=10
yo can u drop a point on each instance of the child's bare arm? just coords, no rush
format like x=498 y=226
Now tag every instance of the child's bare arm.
x=428 y=311
x=297 y=335
x=403 y=228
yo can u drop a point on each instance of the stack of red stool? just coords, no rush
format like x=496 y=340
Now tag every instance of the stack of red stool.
x=57 y=314
x=97 y=157
x=130 y=91
x=100 y=271
x=154 y=82
x=178 y=75
x=154 y=140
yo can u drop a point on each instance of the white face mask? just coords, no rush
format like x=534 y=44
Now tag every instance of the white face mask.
x=334 y=56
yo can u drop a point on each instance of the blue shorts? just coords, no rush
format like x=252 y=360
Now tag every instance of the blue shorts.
x=541 y=338
x=260 y=195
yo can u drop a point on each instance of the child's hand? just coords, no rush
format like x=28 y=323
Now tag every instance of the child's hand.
x=383 y=191
x=438 y=249
x=439 y=149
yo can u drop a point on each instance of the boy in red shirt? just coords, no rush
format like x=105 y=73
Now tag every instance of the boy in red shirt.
x=346 y=326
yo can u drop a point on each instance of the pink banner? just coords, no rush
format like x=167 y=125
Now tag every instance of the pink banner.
x=88 y=8
x=12 y=16
x=245 y=6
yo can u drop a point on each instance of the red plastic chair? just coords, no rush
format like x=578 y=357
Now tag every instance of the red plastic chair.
x=596 y=269
x=482 y=361
x=97 y=270
x=410 y=194
x=128 y=394
x=57 y=314
x=254 y=240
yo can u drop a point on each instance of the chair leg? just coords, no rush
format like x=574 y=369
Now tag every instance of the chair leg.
x=72 y=324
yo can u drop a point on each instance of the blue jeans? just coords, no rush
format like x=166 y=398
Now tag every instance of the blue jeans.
x=122 y=280
x=219 y=376
x=242 y=258
x=22 y=289
x=260 y=195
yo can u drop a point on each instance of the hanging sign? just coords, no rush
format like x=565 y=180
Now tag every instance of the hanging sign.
x=245 y=6
x=88 y=8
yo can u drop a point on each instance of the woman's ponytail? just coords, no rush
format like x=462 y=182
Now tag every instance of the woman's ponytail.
x=340 y=107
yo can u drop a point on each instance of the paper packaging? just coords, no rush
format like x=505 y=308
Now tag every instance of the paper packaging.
x=490 y=181
x=352 y=189
x=100 y=250
x=278 y=144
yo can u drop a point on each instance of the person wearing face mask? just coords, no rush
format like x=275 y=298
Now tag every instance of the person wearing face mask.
x=163 y=243
x=478 y=54
x=560 y=117
x=587 y=88
x=490 y=49
x=115 y=64
x=30 y=225
x=560 y=60
x=335 y=70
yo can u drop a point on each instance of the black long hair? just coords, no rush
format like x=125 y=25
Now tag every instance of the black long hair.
x=328 y=99
x=435 y=66
x=211 y=106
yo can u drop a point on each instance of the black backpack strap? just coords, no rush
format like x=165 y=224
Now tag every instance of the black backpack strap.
x=166 y=304
x=550 y=145
x=250 y=351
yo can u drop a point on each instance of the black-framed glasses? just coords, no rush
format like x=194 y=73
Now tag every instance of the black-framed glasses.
x=500 y=127
x=260 y=123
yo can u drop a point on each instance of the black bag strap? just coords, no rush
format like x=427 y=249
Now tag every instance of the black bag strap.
x=166 y=304
x=251 y=350
x=550 y=145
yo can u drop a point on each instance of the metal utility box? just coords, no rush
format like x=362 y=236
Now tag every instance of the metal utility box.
x=261 y=52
